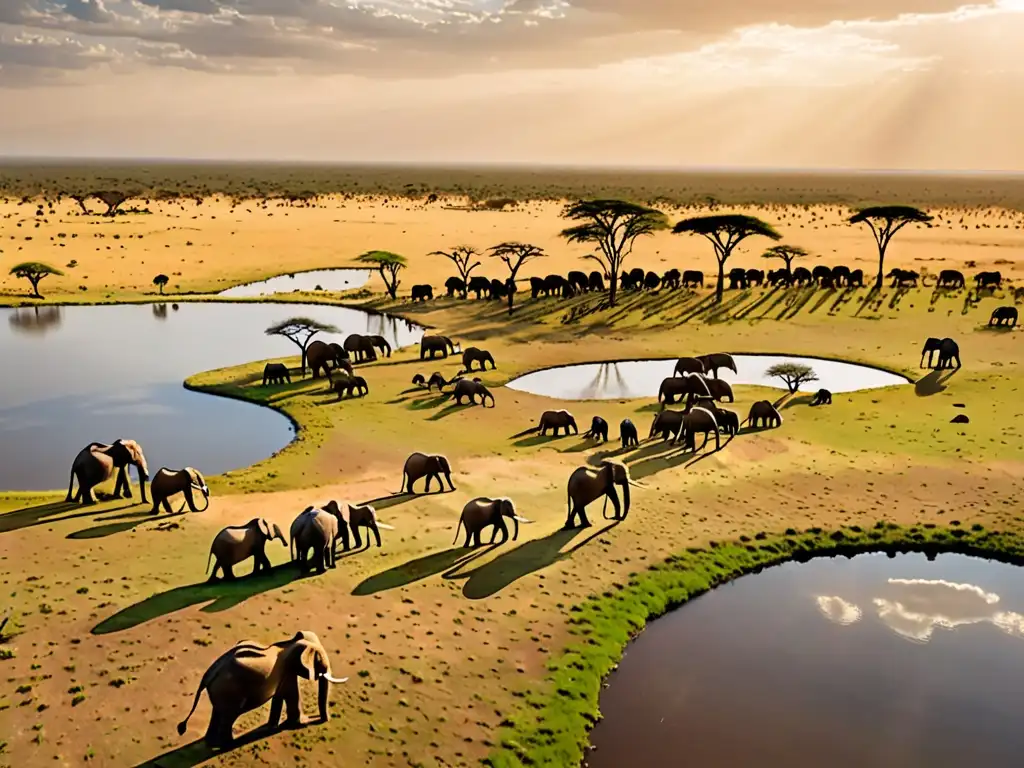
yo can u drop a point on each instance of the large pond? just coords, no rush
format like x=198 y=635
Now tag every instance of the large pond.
x=78 y=374
x=642 y=378
x=316 y=280
x=846 y=663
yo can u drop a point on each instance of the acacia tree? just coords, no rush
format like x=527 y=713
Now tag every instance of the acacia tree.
x=515 y=255
x=794 y=374
x=613 y=226
x=725 y=232
x=389 y=265
x=461 y=255
x=34 y=271
x=160 y=281
x=787 y=253
x=885 y=221
x=112 y=198
x=300 y=331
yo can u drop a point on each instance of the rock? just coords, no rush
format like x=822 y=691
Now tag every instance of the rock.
x=959 y=405
x=961 y=419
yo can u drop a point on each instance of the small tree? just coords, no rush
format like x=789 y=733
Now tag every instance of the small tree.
x=80 y=198
x=461 y=255
x=885 y=221
x=34 y=271
x=388 y=264
x=787 y=253
x=300 y=331
x=515 y=255
x=112 y=198
x=160 y=281
x=613 y=226
x=794 y=374
x=725 y=232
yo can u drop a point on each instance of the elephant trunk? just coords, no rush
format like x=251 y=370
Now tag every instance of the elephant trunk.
x=625 y=500
x=323 y=686
x=515 y=523
x=191 y=500
x=143 y=477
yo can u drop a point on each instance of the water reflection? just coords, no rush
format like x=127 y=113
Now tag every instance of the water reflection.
x=35 y=319
x=315 y=280
x=160 y=311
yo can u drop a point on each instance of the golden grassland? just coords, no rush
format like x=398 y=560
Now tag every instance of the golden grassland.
x=454 y=655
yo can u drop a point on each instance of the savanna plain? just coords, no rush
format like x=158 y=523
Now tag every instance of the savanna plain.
x=456 y=656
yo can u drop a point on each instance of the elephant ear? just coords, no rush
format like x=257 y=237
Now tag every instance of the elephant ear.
x=305 y=660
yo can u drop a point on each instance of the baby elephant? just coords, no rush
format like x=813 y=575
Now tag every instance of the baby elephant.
x=352 y=517
x=557 y=420
x=471 y=388
x=351 y=386
x=240 y=542
x=484 y=511
x=822 y=397
x=598 y=429
x=628 y=435
x=314 y=529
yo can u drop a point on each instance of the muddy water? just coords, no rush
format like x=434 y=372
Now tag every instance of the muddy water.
x=316 y=280
x=873 y=661
x=78 y=374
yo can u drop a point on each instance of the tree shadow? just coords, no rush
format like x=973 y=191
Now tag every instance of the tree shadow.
x=413 y=571
x=933 y=383
x=392 y=500
x=49 y=514
x=220 y=595
x=126 y=523
x=798 y=400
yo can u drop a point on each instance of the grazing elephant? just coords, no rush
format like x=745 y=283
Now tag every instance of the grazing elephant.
x=455 y=285
x=1004 y=316
x=579 y=281
x=951 y=278
x=351 y=386
x=587 y=485
x=240 y=542
x=422 y=292
x=499 y=289
x=471 y=388
x=685 y=365
x=903 y=278
x=671 y=278
x=425 y=465
x=96 y=463
x=536 y=287
x=822 y=397
x=802 y=276
x=352 y=517
x=250 y=674
x=320 y=356
x=484 y=511
x=949 y=351
x=856 y=279
x=557 y=420
x=596 y=281
x=841 y=275
x=360 y=347
x=476 y=355
x=822 y=275
x=667 y=423
x=628 y=435
x=381 y=344
x=598 y=429
x=167 y=483
x=713 y=362
x=766 y=413
x=437 y=379
x=720 y=389
x=699 y=420
x=693 y=278
x=691 y=385
x=478 y=285
x=651 y=281
x=314 y=529
x=435 y=344
x=755 y=277
x=418 y=380
x=738 y=279
x=778 y=277
x=276 y=373
x=988 y=280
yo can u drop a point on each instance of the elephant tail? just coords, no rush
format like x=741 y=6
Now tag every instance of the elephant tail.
x=208 y=559
x=71 y=483
x=457 y=529
x=183 y=725
x=401 y=487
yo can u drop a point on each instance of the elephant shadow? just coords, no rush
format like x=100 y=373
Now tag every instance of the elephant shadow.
x=39 y=514
x=448 y=410
x=933 y=383
x=426 y=403
x=196 y=753
x=220 y=596
x=392 y=500
x=125 y=523
x=414 y=570
x=581 y=446
x=534 y=440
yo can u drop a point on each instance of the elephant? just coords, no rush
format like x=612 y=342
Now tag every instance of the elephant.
x=557 y=420
x=454 y=285
x=802 y=276
x=433 y=344
x=652 y=281
x=499 y=289
x=717 y=360
x=856 y=279
x=422 y=292
x=720 y=389
x=728 y=421
x=437 y=379
x=314 y=529
x=903 y=278
x=666 y=423
x=352 y=517
x=579 y=281
x=822 y=275
x=484 y=511
x=692 y=385
x=418 y=380
x=360 y=347
x=1018 y=294
x=822 y=397
x=598 y=429
x=951 y=278
x=671 y=278
x=988 y=280
x=779 y=277
x=554 y=284
x=320 y=356
x=250 y=674
x=425 y=465
x=471 y=388
x=479 y=285
x=476 y=355
x=738 y=278
x=536 y=287
x=167 y=483
x=587 y=485
x=351 y=386
x=755 y=277
x=685 y=365
x=96 y=463
x=949 y=351
x=931 y=346
x=276 y=373
x=596 y=281
x=382 y=344
x=841 y=275
x=766 y=413
x=1004 y=316
x=693 y=278
x=240 y=542
x=628 y=435
x=699 y=420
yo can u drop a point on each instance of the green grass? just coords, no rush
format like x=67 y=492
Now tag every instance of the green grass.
x=552 y=726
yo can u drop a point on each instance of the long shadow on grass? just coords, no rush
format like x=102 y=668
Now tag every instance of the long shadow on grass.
x=391 y=501
x=124 y=523
x=415 y=570
x=196 y=752
x=220 y=595
x=932 y=383
x=48 y=514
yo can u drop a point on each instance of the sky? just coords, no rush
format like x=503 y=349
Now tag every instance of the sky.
x=858 y=84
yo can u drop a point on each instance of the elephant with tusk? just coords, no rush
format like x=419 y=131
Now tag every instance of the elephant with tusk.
x=167 y=483
x=240 y=542
x=586 y=485
x=96 y=463
x=484 y=511
x=250 y=674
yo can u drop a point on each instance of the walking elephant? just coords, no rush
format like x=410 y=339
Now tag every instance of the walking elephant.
x=422 y=292
x=471 y=388
x=822 y=397
x=434 y=345
x=716 y=361
x=587 y=485
x=693 y=278
x=671 y=278
x=666 y=423
x=240 y=542
x=425 y=465
x=317 y=530
x=352 y=517
x=360 y=348
x=628 y=434
x=351 y=386
x=598 y=429
x=97 y=462
x=699 y=420
x=276 y=373
x=951 y=278
x=931 y=346
x=685 y=365
x=691 y=385
x=485 y=511
x=321 y=356
x=949 y=351
x=251 y=674
x=473 y=355
x=380 y=343
x=988 y=280
x=167 y=483
x=1004 y=316
x=764 y=412
x=557 y=420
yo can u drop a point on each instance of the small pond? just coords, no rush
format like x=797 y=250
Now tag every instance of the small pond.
x=870 y=661
x=79 y=374
x=642 y=378
x=326 y=279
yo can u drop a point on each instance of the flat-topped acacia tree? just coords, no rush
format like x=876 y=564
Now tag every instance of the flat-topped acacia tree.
x=461 y=255
x=613 y=226
x=515 y=255
x=885 y=221
x=300 y=331
x=389 y=265
x=725 y=232
x=34 y=271
x=787 y=253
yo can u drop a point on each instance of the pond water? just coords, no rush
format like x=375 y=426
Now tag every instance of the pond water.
x=79 y=374
x=642 y=378
x=326 y=279
x=865 y=662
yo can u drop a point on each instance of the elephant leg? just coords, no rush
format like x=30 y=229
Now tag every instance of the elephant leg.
x=262 y=563
x=85 y=494
x=448 y=476
x=376 y=534
x=501 y=528
x=356 y=537
x=229 y=574
x=476 y=537
x=167 y=506
x=469 y=536
x=318 y=560
x=426 y=487
x=213 y=736
x=584 y=522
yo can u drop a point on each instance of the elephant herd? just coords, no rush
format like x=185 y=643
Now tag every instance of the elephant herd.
x=335 y=360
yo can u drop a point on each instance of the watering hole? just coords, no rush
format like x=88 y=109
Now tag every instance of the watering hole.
x=319 y=279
